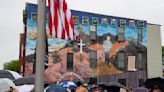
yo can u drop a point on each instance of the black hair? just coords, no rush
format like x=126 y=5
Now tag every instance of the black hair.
x=78 y=83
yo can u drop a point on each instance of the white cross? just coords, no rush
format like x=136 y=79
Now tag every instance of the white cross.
x=81 y=44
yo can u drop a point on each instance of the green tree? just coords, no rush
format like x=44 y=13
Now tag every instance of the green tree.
x=13 y=65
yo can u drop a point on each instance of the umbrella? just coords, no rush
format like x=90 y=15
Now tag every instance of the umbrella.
x=55 y=88
x=5 y=84
x=6 y=74
x=25 y=88
x=24 y=80
x=27 y=80
x=68 y=84
x=150 y=83
x=15 y=74
x=9 y=74
x=112 y=86
x=140 y=89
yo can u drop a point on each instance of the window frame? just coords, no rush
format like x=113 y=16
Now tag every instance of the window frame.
x=121 y=60
x=121 y=33
x=94 y=32
x=139 y=62
x=91 y=59
x=139 y=35
x=68 y=62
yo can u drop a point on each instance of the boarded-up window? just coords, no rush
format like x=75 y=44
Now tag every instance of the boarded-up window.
x=93 y=59
x=70 y=61
x=122 y=81
x=121 y=30
x=93 y=35
x=132 y=63
x=139 y=35
x=121 y=36
x=121 y=59
x=141 y=81
x=140 y=61
x=93 y=32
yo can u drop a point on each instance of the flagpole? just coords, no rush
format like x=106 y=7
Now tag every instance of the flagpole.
x=40 y=47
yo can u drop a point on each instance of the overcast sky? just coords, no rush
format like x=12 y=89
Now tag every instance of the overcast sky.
x=11 y=23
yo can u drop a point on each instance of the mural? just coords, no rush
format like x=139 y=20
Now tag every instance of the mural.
x=105 y=35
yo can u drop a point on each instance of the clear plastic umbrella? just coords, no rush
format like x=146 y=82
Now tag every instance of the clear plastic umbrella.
x=15 y=74
x=5 y=84
x=25 y=88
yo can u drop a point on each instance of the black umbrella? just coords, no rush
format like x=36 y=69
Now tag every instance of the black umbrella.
x=6 y=74
x=24 y=80
x=150 y=83
x=112 y=86
x=55 y=88
x=27 y=80
x=140 y=89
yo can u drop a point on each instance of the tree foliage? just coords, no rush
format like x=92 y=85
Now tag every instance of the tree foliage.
x=13 y=65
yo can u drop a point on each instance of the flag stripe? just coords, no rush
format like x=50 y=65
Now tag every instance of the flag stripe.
x=61 y=24
x=50 y=19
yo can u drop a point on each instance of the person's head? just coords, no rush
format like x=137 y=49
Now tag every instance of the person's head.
x=79 y=83
x=155 y=87
x=96 y=89
x=105 y=90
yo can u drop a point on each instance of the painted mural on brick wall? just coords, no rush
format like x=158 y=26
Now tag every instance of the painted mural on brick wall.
x=107 y=45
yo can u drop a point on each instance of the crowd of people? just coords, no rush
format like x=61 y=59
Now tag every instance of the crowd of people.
x=77 y=87
x=15 y=83
x=69 y=86
x=83 y=87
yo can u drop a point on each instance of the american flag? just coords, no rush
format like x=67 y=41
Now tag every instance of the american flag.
x=61 y=23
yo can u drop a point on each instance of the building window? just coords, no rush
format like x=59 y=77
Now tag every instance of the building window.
x=122 y=81
x=122 y=23
x=47 y=18
x=94 y=20
x=104 y=21
x=93 y=59
x=121 y=60
x=70 y=61
x=85 y=20
x=76 y=19
x=140 y=24
x=141 y=81
x=140 y=61
x=121 y=36
x=132 y=23
x=139 y=35
x=131 y=63
x=34 y=16
x=93 y=32
x=113 y=22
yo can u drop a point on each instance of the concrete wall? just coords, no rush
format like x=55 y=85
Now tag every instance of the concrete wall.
x=154 y=51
